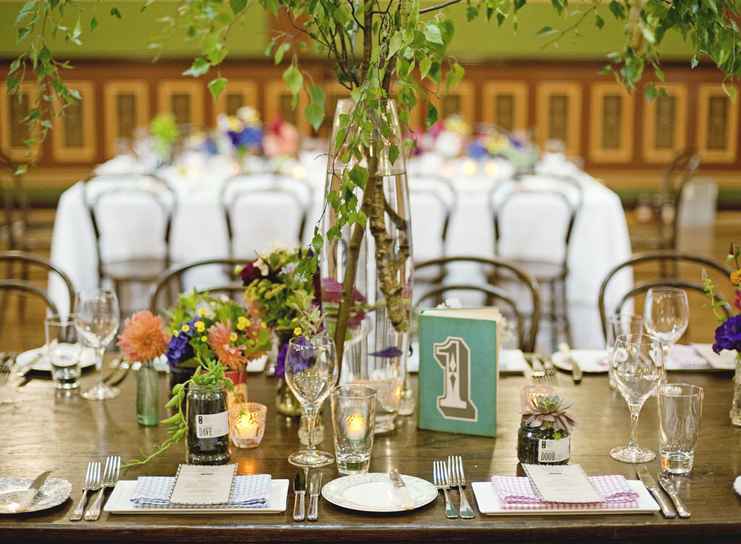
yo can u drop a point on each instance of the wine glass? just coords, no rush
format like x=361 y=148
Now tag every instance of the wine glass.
x=637 y=364
x=666 y=316
x=96 y=322
x=620 y=325
x=311 y=373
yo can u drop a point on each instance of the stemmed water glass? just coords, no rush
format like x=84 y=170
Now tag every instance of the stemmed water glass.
x=620 y=325
x=311 y=373
x=666 y=316
x=96 y=322
x=637 y=364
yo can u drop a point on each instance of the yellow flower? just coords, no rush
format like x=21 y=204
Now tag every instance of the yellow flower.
x=263 y=325
x=185 y=328
x=200 y=326
x=204 y=338
x=297 y=331
x=233 y=337
x=202 y=312
x=243 y=323
x=736 y=277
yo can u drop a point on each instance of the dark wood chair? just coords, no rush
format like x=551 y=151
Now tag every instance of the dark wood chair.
x=503 y=292
x=440 y=192
x=567 y=194
x=143 y=269
x=661 y=258
x=170 y=283
x=298 y=193
x=13 y=281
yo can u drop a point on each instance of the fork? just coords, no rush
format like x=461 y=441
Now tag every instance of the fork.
x=458 y=478
x=547 y=373
x=92 y=483
x=440 y=479
x=111 y=473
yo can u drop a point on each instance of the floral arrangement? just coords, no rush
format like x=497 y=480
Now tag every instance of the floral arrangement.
x=164 y=132
x=728 y=333
x=496 y=142
x=243 y=130
x=143 y=337
x=207 y=327
x=447 y=138
x=281 y=140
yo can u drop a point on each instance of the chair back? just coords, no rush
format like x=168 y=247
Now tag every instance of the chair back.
x=676 y=179
x=660 y=258
x=264 y=210
x=120 y=195
x=510 y=297
x=172 y=282
x=10 y=260
x=542 y=192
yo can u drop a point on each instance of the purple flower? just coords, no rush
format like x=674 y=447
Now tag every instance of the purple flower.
x=179 y=348
x=249 y=137
x=390 y=352
x=301 y=356
x=210 y=147
x=249 y=273
x=280 y=363
x=476 y=150
x=728 y=335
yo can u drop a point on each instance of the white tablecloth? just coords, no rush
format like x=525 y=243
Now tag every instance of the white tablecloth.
x=600 y=237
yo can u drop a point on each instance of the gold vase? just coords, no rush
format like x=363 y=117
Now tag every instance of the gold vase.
x=285 y=401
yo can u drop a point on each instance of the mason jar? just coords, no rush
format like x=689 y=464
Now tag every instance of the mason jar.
x=208 y=425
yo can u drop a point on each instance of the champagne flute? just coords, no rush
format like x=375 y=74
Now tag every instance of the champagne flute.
x=311 y=373
x=96 y=322
x=666 y=316
x=637 y=362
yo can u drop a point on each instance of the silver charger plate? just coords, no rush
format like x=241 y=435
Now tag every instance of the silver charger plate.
x=374 y=492
x=53 y=493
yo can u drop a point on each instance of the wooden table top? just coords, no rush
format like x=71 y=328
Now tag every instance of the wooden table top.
x=47 y=431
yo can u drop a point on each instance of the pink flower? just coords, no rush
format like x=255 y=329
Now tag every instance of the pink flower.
x=143 y=337
x=737 y=300
x=281 y=140
x=221 y=339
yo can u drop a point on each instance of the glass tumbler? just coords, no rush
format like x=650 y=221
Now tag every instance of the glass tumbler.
x=62 y=352
x=353 y=419
x=680 y=412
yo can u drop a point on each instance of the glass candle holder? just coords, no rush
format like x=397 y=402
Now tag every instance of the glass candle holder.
x=247 y=424
x=353 y=419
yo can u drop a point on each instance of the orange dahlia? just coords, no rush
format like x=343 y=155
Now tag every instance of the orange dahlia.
x=221 y=339
x=143 y=337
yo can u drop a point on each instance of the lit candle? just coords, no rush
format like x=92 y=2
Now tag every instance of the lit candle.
x=491 y=168
x=469 y=167
x=355 y=427
x=248 y=425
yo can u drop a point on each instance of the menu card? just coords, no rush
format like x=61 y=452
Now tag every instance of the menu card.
x=562 y=483
x=203 y=485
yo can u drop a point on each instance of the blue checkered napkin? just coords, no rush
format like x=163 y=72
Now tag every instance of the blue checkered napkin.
x=253 y=491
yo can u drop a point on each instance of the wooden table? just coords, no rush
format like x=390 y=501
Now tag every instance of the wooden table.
x=43 y=431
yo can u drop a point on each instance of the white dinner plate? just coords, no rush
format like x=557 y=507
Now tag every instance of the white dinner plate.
x=374 y=492
x=725 y=360
x=37 y=357
x=591 y=361
x=53 y=493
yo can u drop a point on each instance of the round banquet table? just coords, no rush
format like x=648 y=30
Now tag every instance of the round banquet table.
x=600 y=237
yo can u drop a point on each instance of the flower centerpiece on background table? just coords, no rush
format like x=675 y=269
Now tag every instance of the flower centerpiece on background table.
x=244 y=131
x=728 y=334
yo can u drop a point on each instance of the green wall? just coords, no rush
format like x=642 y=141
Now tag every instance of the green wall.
x=480 y=39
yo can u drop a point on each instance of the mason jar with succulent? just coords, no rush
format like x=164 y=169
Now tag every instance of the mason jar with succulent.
x=544 y=437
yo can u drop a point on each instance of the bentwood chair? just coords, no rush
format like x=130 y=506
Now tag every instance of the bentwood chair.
x=433 y=201
x=652 y=264
x=265 y=210
x=110 y=201
x=216 y=276
x=526 y=197
x=13 y=281
x=513 y=290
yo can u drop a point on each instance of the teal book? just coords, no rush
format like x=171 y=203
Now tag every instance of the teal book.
x=458 y=370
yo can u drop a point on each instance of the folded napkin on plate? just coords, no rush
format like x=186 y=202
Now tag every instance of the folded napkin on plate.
x=251 y=491
x=518 y=494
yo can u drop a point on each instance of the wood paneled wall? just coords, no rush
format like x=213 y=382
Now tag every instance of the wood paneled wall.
x=595 y=117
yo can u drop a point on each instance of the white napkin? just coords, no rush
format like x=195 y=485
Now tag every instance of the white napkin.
x=683 y=357
x=737 y=485
x=251 y=490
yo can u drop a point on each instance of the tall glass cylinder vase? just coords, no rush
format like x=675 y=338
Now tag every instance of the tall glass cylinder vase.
x=736 y=406
x=147 y=395
x=371 y=332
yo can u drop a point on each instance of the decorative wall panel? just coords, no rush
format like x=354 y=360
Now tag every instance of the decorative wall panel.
x=13 y=110
x=611 y=123
x=505 y=104
x=559 y=115
x=184 y=99
x=126 y=109
x=74 y=138
x=665 y=124
x=717 y=124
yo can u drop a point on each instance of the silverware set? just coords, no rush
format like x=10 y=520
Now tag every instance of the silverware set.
x=447 y=475
x=299 y=495
x=98 y=478
x=667 y=484
x=542 y=369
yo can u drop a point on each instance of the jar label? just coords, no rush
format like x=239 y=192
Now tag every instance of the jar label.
x=212 y=425
x=554 y=451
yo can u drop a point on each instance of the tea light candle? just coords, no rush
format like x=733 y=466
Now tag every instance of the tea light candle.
x=248 y=425
x=469 y=167
x=355 y=427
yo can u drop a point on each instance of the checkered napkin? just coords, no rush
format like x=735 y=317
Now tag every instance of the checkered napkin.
x=517 y=493
x=253 y=491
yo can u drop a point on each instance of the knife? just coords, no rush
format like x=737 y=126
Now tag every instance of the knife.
x=576 y=372
x=650 y=483
x=299 y=496
x=20 y=501
x=315 y=485
x=671 y=490
x=401 y=488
